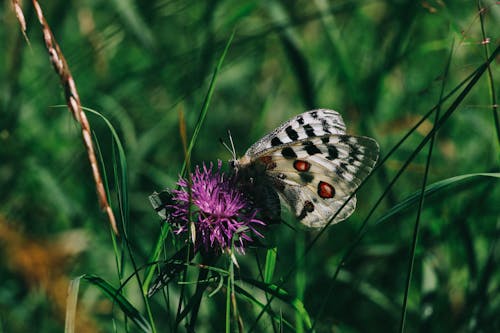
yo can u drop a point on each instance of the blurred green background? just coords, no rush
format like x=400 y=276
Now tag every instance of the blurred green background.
x=381 y=64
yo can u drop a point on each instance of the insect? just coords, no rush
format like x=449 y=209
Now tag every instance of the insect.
x=311 y=164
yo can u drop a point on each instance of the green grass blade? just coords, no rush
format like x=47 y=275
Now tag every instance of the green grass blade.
x=249 y=297
x=270 y=265
x=228 y=298
x=491 y=80
x=116 y=245
x=122 y=159
x=128 y=309
x=280 y=293
x=157 y=249
x=416 y=227
x=300 y=280
x=446 y=184
x=129 y=14
x=206 y=103
x=121 y=180
x=149 y=272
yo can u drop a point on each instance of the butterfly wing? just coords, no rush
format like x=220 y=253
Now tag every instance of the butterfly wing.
x=316 y=176
x=313 y=165
x=308 y=124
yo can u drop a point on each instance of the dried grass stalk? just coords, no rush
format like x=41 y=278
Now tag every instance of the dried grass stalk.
x=72 y=100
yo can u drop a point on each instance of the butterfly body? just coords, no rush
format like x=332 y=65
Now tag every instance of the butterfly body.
x=311 y=164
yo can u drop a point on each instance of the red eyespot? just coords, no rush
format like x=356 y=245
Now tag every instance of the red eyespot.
x=325 y=190
x=301 y=165
x=268 y=162
x=266 y=159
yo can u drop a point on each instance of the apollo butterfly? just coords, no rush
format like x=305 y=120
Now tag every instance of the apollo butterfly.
x=311 y=164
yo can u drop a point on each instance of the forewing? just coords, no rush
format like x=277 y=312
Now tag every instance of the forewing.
x=309 y=124
x=315 y=176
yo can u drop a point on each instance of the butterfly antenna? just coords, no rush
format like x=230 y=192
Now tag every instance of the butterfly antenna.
x=225 y=145
x=233 y=151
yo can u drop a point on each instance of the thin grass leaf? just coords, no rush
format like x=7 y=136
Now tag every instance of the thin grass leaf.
x=292 y=45
x=194 y=302
x=114 y=240
x=300 y=280
x=149 y=272
x=71 y=303
x=249 y=297
x=336 y=41
x=171 y=269
x=206 y=103
x=228 y=307
x=278 y=292
x=121 y=181
x=491 y=80
x=270 y=264
x=453 y=183
x=128 y=309
x=122 y=163
x=133 y=21
x=421 y=197
x=371 y=292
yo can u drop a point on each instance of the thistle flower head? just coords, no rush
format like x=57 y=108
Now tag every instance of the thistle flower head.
x=220 y=213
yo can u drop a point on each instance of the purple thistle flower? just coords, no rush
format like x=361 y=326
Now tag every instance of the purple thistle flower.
x=218 y=209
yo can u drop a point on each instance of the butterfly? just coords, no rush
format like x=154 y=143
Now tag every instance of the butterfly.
x=311 y=164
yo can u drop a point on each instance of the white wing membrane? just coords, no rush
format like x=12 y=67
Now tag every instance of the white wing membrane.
x=324 y=209
x=341 y=162
x=308 y=124
x=313 y=165
x=344 y=160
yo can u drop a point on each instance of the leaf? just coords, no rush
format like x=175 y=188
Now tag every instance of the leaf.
x=171 y=269
x=114 y=294
x=71 y=302
x=270 y=264
x=450 y=183
x=281 y=294
x=245 y=294
x=206 y=103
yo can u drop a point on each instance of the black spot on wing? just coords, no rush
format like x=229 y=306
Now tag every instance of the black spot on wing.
x=325 y=139
x=355 y=152
x=333 y=153
x=292 y=134
x=306 y=177
x=344 y=138
x=308 y=208
x=288 y=153
x=276 y=141
x=314 y=114
x=309 y=130
x=310 y=148
x=300 y=120
x=325 y=125
x=341 y=169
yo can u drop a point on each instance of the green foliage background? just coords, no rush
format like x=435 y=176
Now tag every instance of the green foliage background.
x=381 y=64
